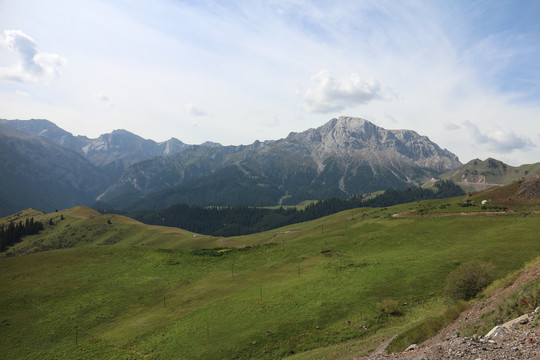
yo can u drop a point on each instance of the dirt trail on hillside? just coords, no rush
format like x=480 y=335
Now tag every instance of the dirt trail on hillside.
x=517 y=343
x=470 y=213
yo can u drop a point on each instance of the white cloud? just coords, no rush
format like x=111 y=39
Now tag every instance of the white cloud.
x=499 y=140
x=328 y=94
x=195 y=110
x=33 y=65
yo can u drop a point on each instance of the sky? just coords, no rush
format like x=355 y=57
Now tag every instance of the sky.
x=466 y=74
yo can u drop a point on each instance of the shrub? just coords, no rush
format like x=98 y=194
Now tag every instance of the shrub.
x=467 y=280
x=389 y=307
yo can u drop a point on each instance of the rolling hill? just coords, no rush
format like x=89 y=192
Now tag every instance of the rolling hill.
x=114 y=288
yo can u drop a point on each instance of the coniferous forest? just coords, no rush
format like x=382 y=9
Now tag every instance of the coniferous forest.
x=13 y=233
x=243 y=220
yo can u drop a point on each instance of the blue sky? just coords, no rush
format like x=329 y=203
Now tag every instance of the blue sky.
x=464 y=73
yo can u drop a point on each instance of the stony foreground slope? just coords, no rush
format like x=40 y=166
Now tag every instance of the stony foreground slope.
x=516 y=339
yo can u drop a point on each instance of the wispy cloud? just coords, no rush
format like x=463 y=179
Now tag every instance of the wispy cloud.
x=327 y=94
x=499 y=140
x=22 y=93
x=451 y=126
x=104 y=99
x=271 y=121
x=33 y=65
x=195 y=110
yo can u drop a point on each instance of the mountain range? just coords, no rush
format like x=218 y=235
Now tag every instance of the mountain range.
x=111 y=152
x=343 y=157
x=46 y=167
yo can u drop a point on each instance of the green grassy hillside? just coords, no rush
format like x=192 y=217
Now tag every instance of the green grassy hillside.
x=82 y=226
x=127 y=290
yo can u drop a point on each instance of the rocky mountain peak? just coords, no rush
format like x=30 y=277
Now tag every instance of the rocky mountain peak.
x=349 y=131
x=359 y=139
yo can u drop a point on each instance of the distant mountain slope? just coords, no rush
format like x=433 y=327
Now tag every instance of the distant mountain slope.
x=36 y=172
x=343 y=157
x=113 y=152
x=479 y=175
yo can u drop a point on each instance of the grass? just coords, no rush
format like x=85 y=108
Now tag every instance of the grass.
x=426 y=328
x=125 y=289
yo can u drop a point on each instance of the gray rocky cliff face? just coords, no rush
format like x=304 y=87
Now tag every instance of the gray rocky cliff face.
x=360 y=139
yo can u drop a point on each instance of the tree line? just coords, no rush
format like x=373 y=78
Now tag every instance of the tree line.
x=243 y=220
x=14 y=232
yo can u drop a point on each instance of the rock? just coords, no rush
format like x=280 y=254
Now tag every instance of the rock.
x=492 y=332
x=411 y=347
x=498 y=333
x=524 y=319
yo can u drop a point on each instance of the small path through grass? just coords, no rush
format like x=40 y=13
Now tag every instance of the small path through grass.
x=471 y=213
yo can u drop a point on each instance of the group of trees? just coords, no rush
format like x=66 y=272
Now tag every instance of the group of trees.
x=242 y=220
x=14 y=232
